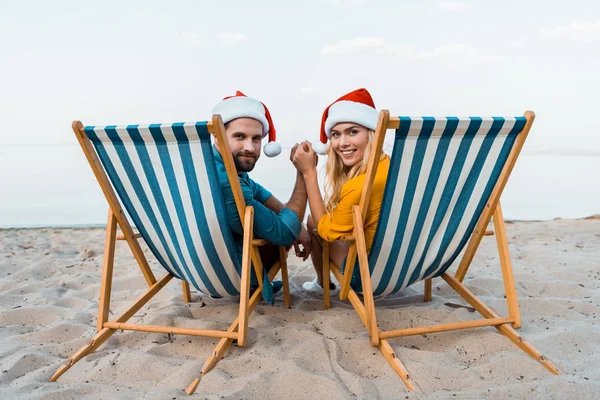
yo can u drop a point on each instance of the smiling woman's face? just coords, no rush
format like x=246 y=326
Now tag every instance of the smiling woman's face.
x=349 y=141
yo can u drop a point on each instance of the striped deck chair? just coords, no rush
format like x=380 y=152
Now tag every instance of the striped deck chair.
x=165 y=177
x=445 y=179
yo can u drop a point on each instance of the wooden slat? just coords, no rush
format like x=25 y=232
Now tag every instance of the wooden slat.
x=222 y=346
x=105 y=333
x=225 y=151
x=373 y=161
x=347 y=278
x=121 y=236
x=427 y=285
x=393 y=123
x=210 y=127
x=287 y=299
x=365 y=197
x=390 y=355
x=506 y=266
x=326 y=275
x=171 y=330
x=185 y=288
x=224 y=343
x=363 y=263
x=505 y=330
x=352 y=296
x=245 y=284
x=107 y=271
x=383 y=345
x=445 y=327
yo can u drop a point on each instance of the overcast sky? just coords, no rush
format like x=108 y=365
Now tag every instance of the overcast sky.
x=121 y=62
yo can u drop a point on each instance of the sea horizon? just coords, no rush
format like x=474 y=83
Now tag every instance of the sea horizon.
x=58 y=189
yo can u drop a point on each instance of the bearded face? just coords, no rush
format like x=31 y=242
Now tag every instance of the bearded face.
x=244 y=136
x=245 y=160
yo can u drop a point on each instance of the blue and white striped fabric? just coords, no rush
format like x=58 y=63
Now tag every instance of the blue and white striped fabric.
x=166 y=178
x=442 y=173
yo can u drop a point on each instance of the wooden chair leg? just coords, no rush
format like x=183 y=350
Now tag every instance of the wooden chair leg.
x=223 y=345
x=505 y=264
x=504 y=329
x=287 y=300
x=105 y=333
x=390 y=355
x=384 y=346
x=187 y=296
x=107 y=270
x=363 y=263
x=427 y=295
x=245 y=284
x=326 y=276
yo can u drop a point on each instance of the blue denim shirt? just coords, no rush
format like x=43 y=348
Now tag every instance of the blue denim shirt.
x=281 y=229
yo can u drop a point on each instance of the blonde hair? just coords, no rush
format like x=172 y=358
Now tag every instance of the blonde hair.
x=337 y=174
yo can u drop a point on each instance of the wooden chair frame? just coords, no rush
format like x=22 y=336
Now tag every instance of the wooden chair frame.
x=366 y=308
x=238 y=330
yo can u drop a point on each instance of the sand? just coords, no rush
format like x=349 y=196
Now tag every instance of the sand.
x=49 y=288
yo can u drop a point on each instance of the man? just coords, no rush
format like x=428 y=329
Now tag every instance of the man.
x=247 y=121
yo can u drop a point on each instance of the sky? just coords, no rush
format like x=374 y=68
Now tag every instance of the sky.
x=124 y=62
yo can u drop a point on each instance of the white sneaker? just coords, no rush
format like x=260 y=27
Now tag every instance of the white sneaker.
x=314 y=287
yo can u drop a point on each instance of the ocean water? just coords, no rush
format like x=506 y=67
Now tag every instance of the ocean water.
x=53 y=185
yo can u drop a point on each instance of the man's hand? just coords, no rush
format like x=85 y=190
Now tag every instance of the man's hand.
x=304 y=157
x=305 y=241
x=293 y=152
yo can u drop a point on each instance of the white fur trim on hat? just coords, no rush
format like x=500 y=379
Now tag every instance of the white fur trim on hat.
x=351 y=111
x=320 y=148
x=272 y=149
x=242 y=107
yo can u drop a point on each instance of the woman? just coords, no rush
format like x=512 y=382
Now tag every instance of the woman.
x=349 y=124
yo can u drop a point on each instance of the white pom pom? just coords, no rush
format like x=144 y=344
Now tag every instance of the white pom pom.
x=272 y=149
x=320 y=148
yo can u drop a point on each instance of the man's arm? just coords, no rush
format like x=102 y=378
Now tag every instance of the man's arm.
x=297 y=201
x=280 y=229
x=273 y=204
x=303 y=239
x=297 y=204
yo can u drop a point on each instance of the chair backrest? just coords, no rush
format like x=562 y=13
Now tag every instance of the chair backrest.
x=442 y=173
x=166 y=178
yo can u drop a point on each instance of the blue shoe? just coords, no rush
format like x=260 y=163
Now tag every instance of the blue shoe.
x=268 y=294
x=277 y=288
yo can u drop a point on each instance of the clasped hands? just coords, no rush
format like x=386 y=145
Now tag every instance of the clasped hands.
x=304 y=159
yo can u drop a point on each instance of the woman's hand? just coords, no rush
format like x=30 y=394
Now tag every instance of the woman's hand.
x=304 y=158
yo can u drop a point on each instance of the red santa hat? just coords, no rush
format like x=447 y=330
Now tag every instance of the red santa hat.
x=356 y=106
x=242 y=106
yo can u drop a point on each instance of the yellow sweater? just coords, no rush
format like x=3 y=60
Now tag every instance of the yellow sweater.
x=339 y=222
